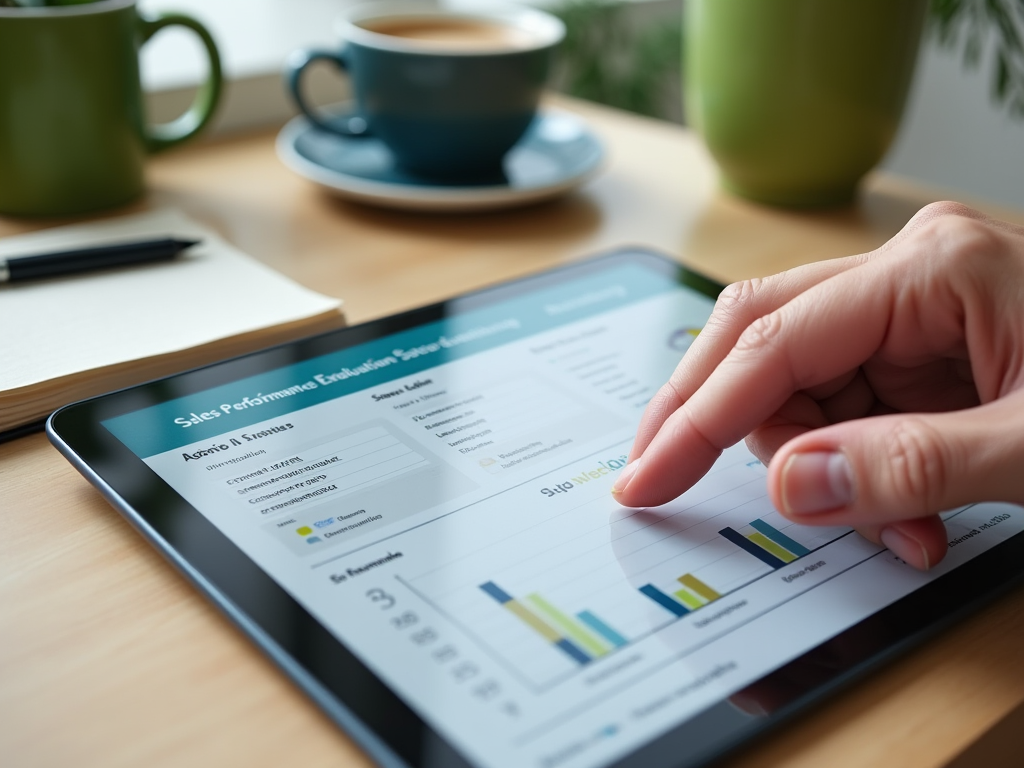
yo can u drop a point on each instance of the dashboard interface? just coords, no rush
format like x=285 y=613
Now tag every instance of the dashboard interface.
x=438 y=499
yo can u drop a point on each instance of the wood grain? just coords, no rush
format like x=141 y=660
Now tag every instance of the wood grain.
x=109 y=658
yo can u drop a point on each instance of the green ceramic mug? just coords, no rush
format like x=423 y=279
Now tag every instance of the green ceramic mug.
x=72 y=134
x=798 y=99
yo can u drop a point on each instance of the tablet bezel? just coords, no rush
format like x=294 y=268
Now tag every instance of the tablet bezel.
x=375 y=716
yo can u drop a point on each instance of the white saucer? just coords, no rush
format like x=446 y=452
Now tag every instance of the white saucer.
x=557 y=153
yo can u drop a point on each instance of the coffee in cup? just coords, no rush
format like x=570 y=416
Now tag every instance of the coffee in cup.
x=448 y=90
x=468 y=35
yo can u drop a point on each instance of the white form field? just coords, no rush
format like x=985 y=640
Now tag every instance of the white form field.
x=341 y=466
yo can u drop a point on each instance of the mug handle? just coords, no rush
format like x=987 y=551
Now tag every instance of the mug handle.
x=352 y=126
x=165 y=135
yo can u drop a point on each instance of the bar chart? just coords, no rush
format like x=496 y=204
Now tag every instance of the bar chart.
x=766 y=543
x=582 y=638
x=694 y=594
x=585 y=637
x=594 y=579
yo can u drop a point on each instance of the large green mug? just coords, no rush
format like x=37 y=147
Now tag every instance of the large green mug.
x=72 y=133
x=798 y=99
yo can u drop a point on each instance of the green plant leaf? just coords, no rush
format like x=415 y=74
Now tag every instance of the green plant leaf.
x=970 y=25
x=1002 y=81
x=608 y=59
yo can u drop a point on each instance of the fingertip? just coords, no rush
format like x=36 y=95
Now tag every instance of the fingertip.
x=632 y=492
x=622 y=481
x=905 y=547
x=920 y=543
x=649 y=482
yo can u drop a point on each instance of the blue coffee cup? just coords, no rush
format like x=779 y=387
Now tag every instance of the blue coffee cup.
x=449 y=90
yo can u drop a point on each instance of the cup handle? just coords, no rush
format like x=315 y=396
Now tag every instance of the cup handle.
x=352 y=126
x=160 y=137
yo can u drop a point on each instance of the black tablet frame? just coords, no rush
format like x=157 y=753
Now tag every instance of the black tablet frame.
x=377 y=718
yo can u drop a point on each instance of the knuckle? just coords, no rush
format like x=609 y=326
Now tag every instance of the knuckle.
x=674 y=389
x=962 y=242
x=927 y=228
x=919 y=465
x=947 y=208
x=737 y=296
x=765 y=332
x=967 y=240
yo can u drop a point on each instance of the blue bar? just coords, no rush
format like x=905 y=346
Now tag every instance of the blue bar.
x=780 y=538
x=602 y=629
x=664 y=600
x=750 y=547
x=573 y=651
x=496 y=592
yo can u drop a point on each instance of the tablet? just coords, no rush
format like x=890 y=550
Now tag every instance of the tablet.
x=412 y=518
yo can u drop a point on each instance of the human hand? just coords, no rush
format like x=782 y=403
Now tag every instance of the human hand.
x=880 y=389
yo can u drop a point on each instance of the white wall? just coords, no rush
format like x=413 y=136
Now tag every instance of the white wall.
x=954 y=137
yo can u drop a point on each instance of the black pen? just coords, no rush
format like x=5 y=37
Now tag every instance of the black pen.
x=34 y=266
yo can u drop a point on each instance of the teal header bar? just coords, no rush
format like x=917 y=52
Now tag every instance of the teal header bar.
x=207 y=414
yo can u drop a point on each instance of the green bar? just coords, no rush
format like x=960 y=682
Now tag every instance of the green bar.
x=567 y=625
x=767 y=544
x=688 y=600
x=692 y=582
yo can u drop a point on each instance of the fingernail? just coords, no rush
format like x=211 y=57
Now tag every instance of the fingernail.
x=816 y=482
x=623 y=479
x=905 y=547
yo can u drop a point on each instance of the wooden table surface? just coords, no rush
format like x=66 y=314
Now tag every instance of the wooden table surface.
x=109 y=658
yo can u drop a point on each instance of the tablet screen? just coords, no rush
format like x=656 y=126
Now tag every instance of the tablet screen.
x=438 y=498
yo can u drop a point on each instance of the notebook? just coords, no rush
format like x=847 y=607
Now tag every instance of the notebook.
x=72 y=337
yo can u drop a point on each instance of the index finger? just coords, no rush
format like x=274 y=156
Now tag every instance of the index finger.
x=739 y=305
x=824 y=332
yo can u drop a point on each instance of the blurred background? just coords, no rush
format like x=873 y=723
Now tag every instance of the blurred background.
x=956 y=134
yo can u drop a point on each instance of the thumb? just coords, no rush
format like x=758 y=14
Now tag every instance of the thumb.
x=886 y=471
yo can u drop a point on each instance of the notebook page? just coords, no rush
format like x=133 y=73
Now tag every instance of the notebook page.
x=64 y=325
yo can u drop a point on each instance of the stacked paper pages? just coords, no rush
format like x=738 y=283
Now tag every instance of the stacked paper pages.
x=67 y=338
